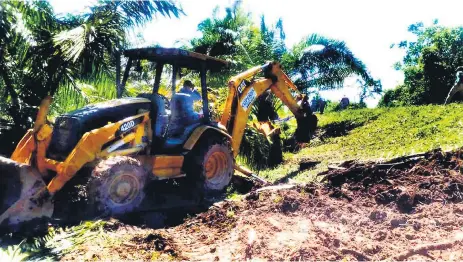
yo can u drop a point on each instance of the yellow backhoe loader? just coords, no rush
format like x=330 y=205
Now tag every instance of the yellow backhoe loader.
x=129 y=142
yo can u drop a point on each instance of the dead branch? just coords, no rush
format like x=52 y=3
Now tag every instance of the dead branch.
x=333 y=167
x=275 y=188
x=405 y=161
x=129 y=244
x=408 y=157
x=357 y=254
x=385 y=165
x=303 y=165
x=426 y=248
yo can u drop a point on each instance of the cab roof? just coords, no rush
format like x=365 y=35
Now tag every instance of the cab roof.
x=180 y=57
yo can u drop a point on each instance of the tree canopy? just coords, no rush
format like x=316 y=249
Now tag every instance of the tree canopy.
x=315 y=63
x=41 y=52
x=429 y=65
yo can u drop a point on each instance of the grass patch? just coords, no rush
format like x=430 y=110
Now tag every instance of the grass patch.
x=373 y=134
x=58 y=242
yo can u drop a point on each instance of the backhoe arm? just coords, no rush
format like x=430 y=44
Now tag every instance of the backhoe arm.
x=244 y=92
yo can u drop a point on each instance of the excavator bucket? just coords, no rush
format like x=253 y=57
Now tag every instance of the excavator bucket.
x=23 y=194
x=306 y=127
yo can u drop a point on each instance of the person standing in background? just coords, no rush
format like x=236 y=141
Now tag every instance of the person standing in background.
x=322 y=104
x=344 y=102
x=314 y=104
x=457 y=87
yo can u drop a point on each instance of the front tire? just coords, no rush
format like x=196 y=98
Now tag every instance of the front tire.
x=117 y=185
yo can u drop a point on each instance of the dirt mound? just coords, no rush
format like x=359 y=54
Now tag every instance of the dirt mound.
x=304 y=223
x=407 y=209
x=403 y=182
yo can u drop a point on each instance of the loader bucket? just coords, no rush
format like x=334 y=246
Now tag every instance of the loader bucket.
x=23 y=194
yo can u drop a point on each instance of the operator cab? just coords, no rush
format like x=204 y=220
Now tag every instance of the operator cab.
x=169 y=131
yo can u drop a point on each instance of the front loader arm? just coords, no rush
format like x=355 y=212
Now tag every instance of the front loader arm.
x=243 y=93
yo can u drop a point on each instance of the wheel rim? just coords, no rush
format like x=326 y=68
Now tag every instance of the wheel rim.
x=124 y=188
x=216 y=166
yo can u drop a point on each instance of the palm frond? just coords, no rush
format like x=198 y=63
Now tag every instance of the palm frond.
x=254 y=149
x=325 y=63
x=72 y=42
x=56 y=243
x=139 y=12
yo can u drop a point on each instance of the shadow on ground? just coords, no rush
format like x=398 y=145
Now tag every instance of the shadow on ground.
x=167 y=203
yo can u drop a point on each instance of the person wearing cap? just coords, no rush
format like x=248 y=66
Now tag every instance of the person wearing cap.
x=189 y=88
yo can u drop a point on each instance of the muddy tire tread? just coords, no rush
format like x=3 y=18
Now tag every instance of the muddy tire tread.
x=101 y=173
x=195 y=165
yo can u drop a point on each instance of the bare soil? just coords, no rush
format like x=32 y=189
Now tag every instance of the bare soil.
x=410 y=209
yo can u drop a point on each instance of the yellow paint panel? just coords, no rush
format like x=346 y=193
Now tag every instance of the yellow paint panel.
x=167 y=166
x=88 y=148
x=43 y=141
x=44 y=132
x=24 y=149
x=196 y=135
x=162 y=166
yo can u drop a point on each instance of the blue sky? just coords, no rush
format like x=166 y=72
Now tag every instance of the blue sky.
x=368 y=27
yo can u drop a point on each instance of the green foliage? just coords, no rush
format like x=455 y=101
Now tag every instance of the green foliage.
x=336 y=106
x=55 y=244
x=13 y=254
x=429 y=65
x=42 y=54
x=325 y=63
x=254 y=149
x=88 y=92
x=374 y=134
x=236 y=38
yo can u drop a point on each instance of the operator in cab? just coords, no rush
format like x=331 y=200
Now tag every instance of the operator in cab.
x=189 y=88
x=182 y=105
x=193 y=96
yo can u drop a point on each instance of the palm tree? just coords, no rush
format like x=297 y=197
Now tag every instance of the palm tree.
x=324 y=63
x=50 y=52
x=7 y=20
x=316 y=62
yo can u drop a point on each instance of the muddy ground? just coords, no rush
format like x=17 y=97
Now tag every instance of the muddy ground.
x=410 y=209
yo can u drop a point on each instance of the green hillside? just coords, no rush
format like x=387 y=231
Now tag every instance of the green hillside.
x=374 y=134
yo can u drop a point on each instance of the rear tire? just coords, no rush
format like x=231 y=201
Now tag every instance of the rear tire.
x=210 y=166
x=117 y=185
